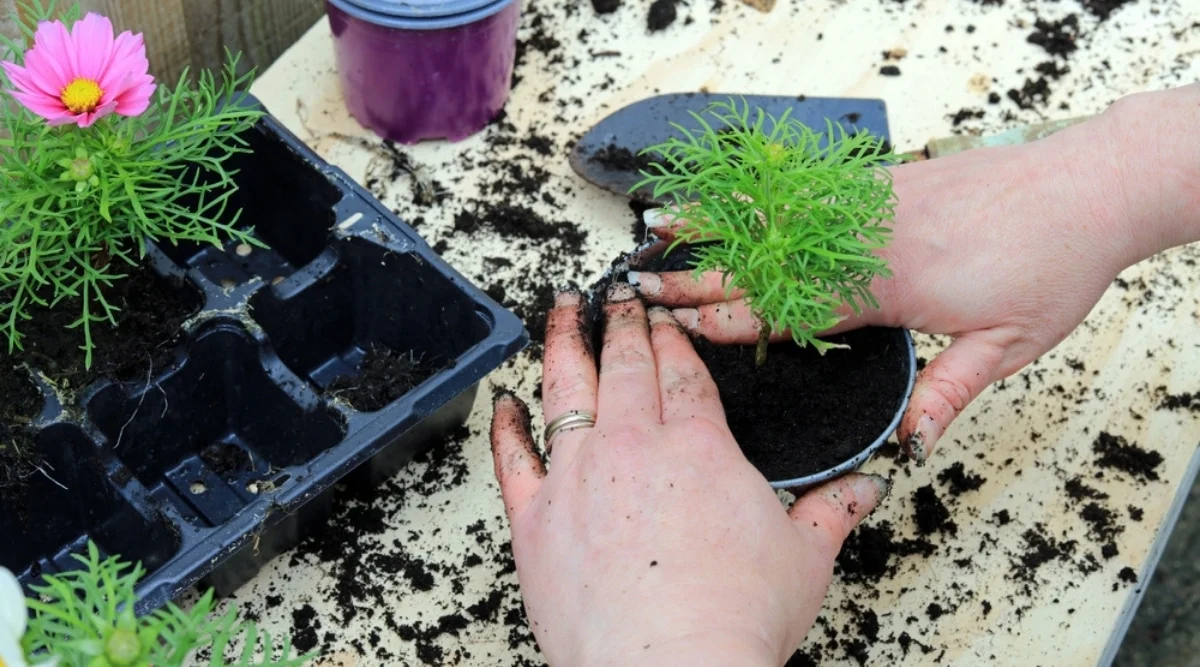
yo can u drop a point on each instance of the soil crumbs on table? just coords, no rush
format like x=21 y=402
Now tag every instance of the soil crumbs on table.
x=368 y=567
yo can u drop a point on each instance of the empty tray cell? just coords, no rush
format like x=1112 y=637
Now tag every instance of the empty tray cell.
x=69 y=501
x=287 y=201
x=205 y=436
x=375 y=326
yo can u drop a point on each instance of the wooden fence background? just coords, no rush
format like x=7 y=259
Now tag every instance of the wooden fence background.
x=195 y=33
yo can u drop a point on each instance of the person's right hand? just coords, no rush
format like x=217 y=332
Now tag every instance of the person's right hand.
x=1005 y=249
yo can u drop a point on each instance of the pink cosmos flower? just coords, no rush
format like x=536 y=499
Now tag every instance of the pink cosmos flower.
x=82 y=75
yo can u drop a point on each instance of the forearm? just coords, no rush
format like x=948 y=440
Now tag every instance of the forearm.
x=1155 y=142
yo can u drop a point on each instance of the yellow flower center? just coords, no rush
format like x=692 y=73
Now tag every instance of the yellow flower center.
x=81 y=96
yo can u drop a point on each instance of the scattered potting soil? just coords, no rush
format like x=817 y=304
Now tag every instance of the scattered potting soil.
x=605 y=6
x=662 y=14
x=930 y=513
x=384 y=376
x=1058 y=38
x=1102 y=9
x=1052 y=69
x=1115 y=453
x=1033 y=93
x=959 y=480
x=873 y=551
x=1183 y=401
x=962 y=115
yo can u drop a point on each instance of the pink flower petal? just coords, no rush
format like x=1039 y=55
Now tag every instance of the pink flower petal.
x=136 y=99
x=26 y=81
x=128 y=58
x=53 y=52
x=93 y=39
x=40 y=105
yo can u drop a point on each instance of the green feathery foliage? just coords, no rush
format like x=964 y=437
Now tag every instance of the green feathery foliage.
x=76 y=204
x=791 y=222
x=85 y=618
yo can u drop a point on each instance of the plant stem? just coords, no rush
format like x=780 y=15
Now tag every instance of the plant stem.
x=764 y=336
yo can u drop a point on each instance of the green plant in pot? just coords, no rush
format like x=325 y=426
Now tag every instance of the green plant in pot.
x=98 y=162
x=794 y=219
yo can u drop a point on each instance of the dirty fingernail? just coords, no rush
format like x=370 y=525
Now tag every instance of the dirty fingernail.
x=880 y=486
x=567 y=298
x=660 y=315
x=688 y=317
x=620 y=292
x=924 y=437
x=656 y=217
x=646 y=283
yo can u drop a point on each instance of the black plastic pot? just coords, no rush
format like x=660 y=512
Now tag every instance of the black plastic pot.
x=889 y=348
x=227 y=457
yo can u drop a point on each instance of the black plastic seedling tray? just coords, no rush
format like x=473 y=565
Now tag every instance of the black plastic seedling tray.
x=207 y=469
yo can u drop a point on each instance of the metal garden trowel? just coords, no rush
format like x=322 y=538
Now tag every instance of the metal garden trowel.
x=609 y=154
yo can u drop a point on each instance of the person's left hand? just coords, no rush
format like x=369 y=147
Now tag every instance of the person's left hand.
x=652 y=540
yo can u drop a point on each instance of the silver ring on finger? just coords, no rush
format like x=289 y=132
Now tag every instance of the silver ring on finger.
x=568 y=422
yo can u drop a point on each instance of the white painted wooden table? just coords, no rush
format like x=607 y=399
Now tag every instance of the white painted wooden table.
x=1027 y=436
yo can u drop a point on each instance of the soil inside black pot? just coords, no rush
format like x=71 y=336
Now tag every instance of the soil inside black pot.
x=800 y=413
x=150 y=316
x=384 y=376
x=152 y=310
x=20 y=402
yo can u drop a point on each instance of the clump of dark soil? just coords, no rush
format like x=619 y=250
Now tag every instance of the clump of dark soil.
x=1032 y=93
x=963 y=115
x=662 y=15
x=1115 y=453
x=1058 y=38
x=801 y=412
x=930 y=513
x=384 y=376
x=1040 y=549
x=605 y=6
x=1052 y=69
x=1102 y=9
x=959 y=480
x=1184 y=401
x=889 y=70
x=872 y=552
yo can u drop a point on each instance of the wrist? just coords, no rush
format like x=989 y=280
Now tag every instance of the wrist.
x=1153 y=142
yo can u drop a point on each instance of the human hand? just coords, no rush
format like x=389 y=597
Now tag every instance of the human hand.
x=1005 y=249
x=651 y=540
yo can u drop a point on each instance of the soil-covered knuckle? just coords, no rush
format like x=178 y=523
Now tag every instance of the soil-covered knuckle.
x=694 y=386
x=622 y=357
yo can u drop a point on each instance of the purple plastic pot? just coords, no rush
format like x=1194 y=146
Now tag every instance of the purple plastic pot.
x=413 y=70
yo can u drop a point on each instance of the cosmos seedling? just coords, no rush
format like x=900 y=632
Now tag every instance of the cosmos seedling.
x=790 y=215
